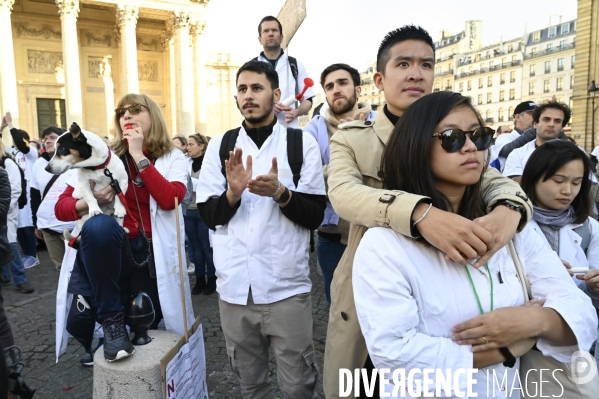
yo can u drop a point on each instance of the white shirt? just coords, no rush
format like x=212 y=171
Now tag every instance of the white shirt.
x=287 y=85
x=502 y=140
x=516 y=161
x=260 y=247
x=408 y=298
x=46 y=218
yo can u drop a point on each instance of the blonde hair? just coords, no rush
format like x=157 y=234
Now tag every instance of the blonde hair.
x=199 y=139
x=158 y=141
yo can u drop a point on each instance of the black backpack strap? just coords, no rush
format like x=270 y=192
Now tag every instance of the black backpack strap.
x=295 y=153
x=227 y=145
x=294 y=72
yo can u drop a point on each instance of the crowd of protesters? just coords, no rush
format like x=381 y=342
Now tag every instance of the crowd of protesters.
x=443 y=244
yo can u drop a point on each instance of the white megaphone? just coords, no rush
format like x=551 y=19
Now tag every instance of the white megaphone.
x=290 y=100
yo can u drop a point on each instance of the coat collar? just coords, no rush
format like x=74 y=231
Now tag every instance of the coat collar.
x=382 y=127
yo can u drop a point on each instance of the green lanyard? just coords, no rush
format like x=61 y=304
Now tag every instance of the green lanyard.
x=480 y=306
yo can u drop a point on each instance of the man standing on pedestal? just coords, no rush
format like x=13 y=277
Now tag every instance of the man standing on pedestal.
x=291 y=72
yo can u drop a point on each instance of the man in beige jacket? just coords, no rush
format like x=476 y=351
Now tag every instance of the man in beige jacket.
x=405 y=72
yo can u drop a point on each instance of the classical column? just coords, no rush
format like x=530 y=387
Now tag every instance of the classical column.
x=184 y=67
x=198 y=32
x=8 y=76
x=126 y=19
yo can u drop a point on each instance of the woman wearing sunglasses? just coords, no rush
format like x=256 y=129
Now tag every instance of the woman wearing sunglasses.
x=416 y=309
x=197 y=231
x=110 y=264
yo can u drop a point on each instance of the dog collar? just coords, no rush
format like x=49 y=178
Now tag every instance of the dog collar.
x=101 y=166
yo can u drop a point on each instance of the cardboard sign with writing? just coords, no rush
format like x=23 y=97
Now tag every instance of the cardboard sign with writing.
x=183 y=368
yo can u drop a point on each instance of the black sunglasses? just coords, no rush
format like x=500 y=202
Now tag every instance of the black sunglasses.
x=133 y=110
x=452 y=140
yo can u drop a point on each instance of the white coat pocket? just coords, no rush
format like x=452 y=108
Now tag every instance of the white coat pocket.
x=222 y=254
x=287 y=251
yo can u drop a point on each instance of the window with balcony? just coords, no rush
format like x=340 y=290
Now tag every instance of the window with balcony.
x=536 y=37
x=532 y=70
x=546 y=84
x=510 y=48
x=480 y=99
x=489 y=116
x=489 y=98
x=572 y=62
x=504 y=62
x=549 y=48
x=502 y=95
x=559 y=84
x=448 y=85
x=571 y=81
x=501 y=115
x=512 y=94
x=480 y=83
x=560 y=64
x=512 y=76
x=552 y=32
x=477 y=58
x=501 y=78
x=461 y=87
x=533 y=52
x=562 y=45
x=469 y=85
x=489 y=81
x=531 y=87
x=437 y=70
x=547 y=66
x=510 y=113
x=565 y=29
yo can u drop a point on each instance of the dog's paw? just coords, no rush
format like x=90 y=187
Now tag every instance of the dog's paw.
x=126 y=230
x=94 y=211
x=120 y=213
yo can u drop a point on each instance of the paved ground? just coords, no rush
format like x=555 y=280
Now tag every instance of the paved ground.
x=32 y=317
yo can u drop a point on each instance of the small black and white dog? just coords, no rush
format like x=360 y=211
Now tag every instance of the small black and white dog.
x=89 y=154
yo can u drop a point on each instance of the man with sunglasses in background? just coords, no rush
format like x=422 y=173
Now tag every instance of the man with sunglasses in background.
x=405 y=73
x=549 y=120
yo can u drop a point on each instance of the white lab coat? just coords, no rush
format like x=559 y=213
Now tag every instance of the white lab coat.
x=260 y=247
x=164 y=239
x=408 y=297
x=26 y=161
x=14 y=177
x=287 y=85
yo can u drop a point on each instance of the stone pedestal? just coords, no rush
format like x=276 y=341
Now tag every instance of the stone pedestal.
x=137 y=376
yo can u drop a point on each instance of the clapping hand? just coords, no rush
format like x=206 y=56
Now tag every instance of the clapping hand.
x=237 y=176
x=266 y=185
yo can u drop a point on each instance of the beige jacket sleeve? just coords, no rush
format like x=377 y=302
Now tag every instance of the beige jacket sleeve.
x=360 y=204
x=497 y=187
x=363 y=205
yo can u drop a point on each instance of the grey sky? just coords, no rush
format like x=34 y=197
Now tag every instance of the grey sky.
x=350 y=31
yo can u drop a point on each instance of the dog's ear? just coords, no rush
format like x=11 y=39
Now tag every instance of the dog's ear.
x=75 y=131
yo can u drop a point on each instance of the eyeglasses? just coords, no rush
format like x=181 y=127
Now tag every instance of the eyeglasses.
x=133 y=110
x=452 y=140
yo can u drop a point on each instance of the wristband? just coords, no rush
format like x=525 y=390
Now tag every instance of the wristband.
x=276 y=192
x=510 y=360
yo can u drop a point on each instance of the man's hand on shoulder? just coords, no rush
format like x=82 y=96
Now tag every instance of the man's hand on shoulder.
x=502 y=223
x=459 y=238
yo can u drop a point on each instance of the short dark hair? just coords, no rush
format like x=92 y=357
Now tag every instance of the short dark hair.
x=52 y=129
x=353 y=72
x=545 y=162
x=263 y=68
x=269 y=18
x=406 y=32
x=406 y=164
x=536 y=114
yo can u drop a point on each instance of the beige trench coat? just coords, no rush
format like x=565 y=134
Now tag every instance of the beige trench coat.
x=354 y=190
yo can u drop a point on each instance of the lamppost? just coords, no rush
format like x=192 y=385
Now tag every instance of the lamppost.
x=593 y=88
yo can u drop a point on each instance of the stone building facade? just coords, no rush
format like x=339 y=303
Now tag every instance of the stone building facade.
x=67 y=61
